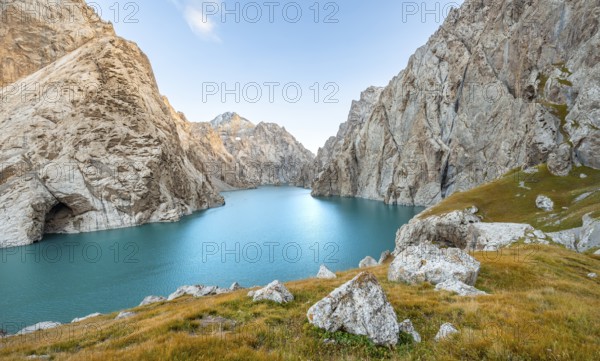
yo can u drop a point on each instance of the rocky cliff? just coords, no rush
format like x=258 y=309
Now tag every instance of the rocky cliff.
x=87 y=141
x=242 y=154
x=501 y=84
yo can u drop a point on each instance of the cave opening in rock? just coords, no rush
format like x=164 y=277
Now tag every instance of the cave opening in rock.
x=58 y=218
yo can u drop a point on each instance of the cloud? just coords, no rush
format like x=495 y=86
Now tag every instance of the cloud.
x=200 y=24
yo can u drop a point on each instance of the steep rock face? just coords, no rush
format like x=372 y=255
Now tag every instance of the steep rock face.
x=36 y=33
x=336 y=163
x=500 y=85
x=88 y=143
x=251 y=155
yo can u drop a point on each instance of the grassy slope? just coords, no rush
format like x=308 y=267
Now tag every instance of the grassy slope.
x=505 y=201
x=542 y=307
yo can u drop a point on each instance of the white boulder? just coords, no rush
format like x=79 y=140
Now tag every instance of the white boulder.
x=325 y=273
x=39 y=327
x=459 y=287
x=195 y=291
x=274 y=291
x=359 y=307
x=544 y=203
x=235 y=286
x=75 y=320
x=429 y=263
x=124 y=314
x=446 y=330
x=592 y=275
x=367 y=262
x=152 y=299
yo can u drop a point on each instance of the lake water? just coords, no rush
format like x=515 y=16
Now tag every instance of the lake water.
x=260 y=235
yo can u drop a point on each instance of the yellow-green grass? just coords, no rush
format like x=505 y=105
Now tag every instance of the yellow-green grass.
x=506 y=199
x=541 y=307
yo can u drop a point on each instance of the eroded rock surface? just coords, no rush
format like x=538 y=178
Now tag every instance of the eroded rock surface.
x=500 y=85
x=359 y=307
x=429 y=263
x=87 y=142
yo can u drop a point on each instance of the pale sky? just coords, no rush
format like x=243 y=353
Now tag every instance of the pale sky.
x=299 y=64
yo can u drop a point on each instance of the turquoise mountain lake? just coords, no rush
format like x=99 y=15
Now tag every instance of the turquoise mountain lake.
x=260 y=235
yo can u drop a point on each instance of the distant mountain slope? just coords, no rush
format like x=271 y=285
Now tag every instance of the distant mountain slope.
x=250 y=155
x=501 y=84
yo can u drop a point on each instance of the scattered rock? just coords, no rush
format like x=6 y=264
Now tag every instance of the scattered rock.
x=544 y=203
x=597 y=253
x=197 y=291
x=446 y=330
x=75 y=320
x=592 y=275
x=559 y=161
x=325 y=273
x=3 y=333
x=539 y=234
x=359 y=307
x=274 y=291
x=152 y=299
x=235 y=287
x=251 y=293
x=407 y=327
x=39 y=327
x=384 y=256
x=367 y=262
x=583 y=196
x=428 y=262
x=124 y=314
x=459 y=287
x=590 y=234
x=583 y=176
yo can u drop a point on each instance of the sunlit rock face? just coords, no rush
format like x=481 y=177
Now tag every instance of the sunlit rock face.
x=244 y=155
x=501 y=84
x=87 y=142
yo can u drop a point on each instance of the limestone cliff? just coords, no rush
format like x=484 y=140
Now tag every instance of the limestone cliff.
x=244 y=155
x=501 y=84
x=87 y=141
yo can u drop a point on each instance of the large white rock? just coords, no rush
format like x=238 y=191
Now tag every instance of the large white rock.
x=446 y=330
x=407 y=326
x=152 y=299
x=235 y=286
x=367 y=262
x=429 y=263
x=274 y=291
x=459 y=287
x=359 y=307
x=325 y=273
x=39 y=327
x=544 y=203
x=592 y=275
x=93 y=315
